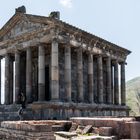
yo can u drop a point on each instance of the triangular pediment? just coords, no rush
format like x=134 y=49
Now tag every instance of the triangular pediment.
x=19 y=24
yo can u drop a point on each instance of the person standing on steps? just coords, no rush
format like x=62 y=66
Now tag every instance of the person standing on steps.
x=23 y=105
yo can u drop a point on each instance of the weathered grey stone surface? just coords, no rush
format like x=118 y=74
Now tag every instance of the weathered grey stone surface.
x=7 y=79
x=87 y=129
x=109 y=94
x=105 y=131
x=29 y=75
x=123 y=92
x=119 y=125
x=116 y=83
x=26 y=130
x=80 y=75
x=54 y=72
x=58 y=62
x=41 y=73
x=73 y=127
x=68 y=73
x=66 y=134
x=90 y=78
x=100 y=79
x=17 y=76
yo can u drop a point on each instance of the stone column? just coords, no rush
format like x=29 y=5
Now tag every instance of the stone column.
x=41 y=73
x=100 y=79
x=54 y=72
x=68 y=73
x=112 y=83
x=29 y=75
x=90 y=78
x=80 y=74
x=116 y=83
x=11 y=80
x=17 y=76
x=109 y=95
x=123 y=98
x=7 y=79
x=0 y=80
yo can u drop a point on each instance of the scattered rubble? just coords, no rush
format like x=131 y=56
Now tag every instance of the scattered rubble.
x=76 y=129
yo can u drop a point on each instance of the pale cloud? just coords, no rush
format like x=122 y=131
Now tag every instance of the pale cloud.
x=66 y=3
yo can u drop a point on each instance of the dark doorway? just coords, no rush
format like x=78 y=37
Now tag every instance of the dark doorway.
x=47 y=84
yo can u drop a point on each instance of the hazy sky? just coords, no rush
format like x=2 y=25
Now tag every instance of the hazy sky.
x=114 y=20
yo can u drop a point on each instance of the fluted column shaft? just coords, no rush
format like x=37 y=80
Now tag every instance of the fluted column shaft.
x=100 y=79
x=80 y=74
x=7 y=79
x=41 y=73
x=68 y=73
x=109 y=94
x=123 y=94
x=54 y=71
x=116 y=84
x=17 y=76
x=29 y=75
x=90 y=78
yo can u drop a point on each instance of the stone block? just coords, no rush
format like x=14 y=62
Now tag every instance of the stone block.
x=135 y=130
x=73 y=127
x=87 y=129
x=105 y=131
x=66 y=134
x=56 y=128
x=95 y=130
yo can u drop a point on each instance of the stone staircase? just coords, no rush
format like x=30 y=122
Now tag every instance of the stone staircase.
x=9 y=112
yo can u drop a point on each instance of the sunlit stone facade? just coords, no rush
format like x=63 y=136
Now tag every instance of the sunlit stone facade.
x=62 y=70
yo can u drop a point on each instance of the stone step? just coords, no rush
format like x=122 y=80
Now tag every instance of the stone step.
x=56 y=128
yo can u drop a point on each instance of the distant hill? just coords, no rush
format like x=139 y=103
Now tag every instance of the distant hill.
x=133 y=95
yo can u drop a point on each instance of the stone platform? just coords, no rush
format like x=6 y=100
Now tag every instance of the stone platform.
x=31 y=130
x=109 y=128
x=26 y=131
x=60 y=111
x=123 y=127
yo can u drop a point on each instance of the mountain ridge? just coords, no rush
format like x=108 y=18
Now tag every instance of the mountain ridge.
x=133 y=96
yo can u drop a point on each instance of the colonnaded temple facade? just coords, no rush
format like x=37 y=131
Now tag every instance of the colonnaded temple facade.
x=63 y=71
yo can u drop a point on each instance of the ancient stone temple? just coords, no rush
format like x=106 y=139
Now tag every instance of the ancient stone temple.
x=62 y=70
